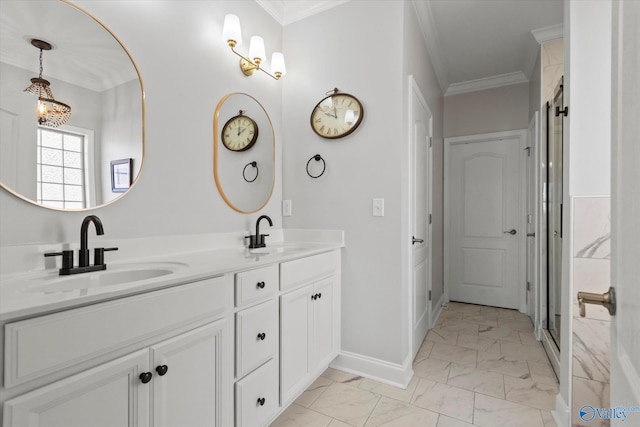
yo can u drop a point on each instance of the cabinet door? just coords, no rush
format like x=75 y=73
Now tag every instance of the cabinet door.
x=108 y=395
x=296 y=317
x=188 y=379
x=324 y=318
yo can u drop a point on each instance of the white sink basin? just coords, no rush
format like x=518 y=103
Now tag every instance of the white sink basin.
x=116 y=275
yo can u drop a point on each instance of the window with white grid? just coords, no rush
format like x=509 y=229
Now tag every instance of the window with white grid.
x=61 y=168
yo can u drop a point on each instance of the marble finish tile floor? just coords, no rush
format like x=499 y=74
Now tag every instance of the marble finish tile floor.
x=479 y=366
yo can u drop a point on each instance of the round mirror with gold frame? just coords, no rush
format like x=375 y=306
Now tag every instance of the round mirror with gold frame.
x=244 y=178
x=97 y=153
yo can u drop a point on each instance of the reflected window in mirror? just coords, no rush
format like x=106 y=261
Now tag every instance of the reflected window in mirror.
x=62 y=157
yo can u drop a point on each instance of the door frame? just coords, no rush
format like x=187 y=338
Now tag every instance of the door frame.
x=521 y=135
x=414 y=90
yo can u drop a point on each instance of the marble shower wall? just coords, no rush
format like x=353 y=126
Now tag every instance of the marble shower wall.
x=591 y=334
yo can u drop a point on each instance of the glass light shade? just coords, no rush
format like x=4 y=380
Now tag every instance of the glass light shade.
x=231 y=29
x=256 y=48
x=277 y=64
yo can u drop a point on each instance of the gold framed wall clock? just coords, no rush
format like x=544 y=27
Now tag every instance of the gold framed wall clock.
x=336 y=115
x=239 y=133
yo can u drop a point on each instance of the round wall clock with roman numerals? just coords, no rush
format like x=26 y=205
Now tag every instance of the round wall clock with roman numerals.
x=239 y=133
x=336 y=115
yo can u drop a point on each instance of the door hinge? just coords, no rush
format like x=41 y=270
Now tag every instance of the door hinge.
x=529 y=218
x=429 y=295
x=528 y=286
x=430 y=218
x=430 y=142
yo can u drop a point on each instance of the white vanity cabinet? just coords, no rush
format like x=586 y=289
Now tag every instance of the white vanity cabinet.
x=232 y=350
x=170 y=367
x=309 y=321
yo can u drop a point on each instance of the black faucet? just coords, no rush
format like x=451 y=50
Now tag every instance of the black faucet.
x=83 y=253
x=257 y=241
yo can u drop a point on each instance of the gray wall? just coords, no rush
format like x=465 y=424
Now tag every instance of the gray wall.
x=491 y=110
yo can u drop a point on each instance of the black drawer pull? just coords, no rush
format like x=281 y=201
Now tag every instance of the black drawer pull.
x=162 y=369
x=260 y=285
x=145 y=377
x=261 y=401
x=262 y=336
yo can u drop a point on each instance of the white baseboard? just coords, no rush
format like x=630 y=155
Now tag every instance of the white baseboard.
x=561 y=413
x=375 y=369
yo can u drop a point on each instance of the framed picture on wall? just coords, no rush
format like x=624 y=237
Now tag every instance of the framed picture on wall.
x=121 y=175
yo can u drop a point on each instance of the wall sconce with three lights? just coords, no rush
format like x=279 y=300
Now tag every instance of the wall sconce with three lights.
x=232 y=35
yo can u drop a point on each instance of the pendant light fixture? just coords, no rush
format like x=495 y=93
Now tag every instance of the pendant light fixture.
x=51 y=113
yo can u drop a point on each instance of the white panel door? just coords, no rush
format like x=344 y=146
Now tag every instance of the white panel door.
x=421 y=206
x=625 y=203
x=484 y=217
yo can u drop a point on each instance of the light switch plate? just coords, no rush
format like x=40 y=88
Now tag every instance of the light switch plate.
x=378 y=207
x=286 y=208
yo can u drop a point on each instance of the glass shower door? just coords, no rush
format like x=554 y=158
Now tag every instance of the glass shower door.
x=554 y=215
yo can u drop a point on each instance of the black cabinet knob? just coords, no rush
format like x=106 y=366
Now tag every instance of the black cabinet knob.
x=320 y=295
x=162 y=369
x=260 y=285
x=261 y=401
x=262 y=336
x=314 y=296
x=145 y=377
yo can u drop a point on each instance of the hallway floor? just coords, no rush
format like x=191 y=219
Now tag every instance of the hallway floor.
x=479 y=366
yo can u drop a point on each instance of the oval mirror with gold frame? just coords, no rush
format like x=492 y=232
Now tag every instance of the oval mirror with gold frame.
x=244 y=177
x=70 y=166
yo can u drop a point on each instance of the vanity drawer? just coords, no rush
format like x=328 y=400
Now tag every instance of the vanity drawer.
x=256 y=285
x=257 y=336
x=306 y=270
x=257 y=396
x=46 y=344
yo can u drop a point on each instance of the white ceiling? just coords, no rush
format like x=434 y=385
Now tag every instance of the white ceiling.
x=473 y=44
x=84 y=53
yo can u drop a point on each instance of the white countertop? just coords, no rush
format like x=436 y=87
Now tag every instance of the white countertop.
x=24 y=293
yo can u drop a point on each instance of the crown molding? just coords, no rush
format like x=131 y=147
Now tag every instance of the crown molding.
x=275 y=8
x=430 y=35
x=487 y=83
x=547 y=34
x=287 y=12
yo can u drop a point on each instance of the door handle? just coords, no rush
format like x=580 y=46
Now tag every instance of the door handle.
x=608 y=300
x=414 y=240
x=513 y=232
x=531 y=234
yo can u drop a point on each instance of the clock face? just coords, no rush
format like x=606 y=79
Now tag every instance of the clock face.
x=239 y=133
x=336 y=116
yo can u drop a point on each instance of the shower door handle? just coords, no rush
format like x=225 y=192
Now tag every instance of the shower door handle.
x=607 y=300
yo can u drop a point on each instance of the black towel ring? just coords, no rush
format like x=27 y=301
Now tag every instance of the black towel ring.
x=317 y=158
x=244 y=171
